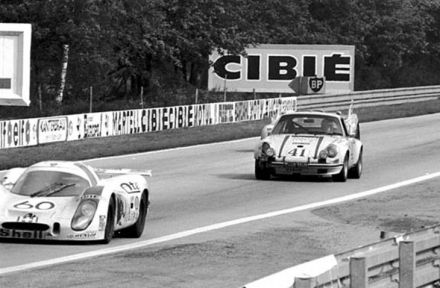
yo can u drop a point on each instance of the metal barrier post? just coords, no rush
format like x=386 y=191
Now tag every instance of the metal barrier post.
x=407 y=264
x=358 y=272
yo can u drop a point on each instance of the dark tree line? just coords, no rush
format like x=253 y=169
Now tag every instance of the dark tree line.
x=161 y=47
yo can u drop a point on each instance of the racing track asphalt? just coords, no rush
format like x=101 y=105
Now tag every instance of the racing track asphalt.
x=202 y=185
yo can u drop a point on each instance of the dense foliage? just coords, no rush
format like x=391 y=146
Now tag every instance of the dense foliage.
x=160 y=48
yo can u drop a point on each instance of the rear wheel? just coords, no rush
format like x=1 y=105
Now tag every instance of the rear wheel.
x=110 y=224
x=356 y=171
x=137 y=229
x=342 y=176
x=261 y=172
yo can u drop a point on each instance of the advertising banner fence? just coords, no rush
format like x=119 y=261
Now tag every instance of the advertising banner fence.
x=30 y=132
x=18 y=133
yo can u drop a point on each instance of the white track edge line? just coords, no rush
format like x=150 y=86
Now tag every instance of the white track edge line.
x=213 y=227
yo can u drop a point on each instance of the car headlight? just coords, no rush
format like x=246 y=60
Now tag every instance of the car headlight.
x=323 y=154
x=330 y=151
x=269 y=151
x=84 y=215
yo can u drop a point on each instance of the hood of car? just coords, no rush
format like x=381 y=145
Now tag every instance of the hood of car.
x=37 y=209
x=299 y=147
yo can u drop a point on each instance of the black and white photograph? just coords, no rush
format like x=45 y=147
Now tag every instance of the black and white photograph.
x=220 y=143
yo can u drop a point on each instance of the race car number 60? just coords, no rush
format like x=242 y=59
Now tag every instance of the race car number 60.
x=45 y=205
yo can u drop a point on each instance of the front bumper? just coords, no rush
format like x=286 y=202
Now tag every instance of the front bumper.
x=54 y=232
x=302 y=168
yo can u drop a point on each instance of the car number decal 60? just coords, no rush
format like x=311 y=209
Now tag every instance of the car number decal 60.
x=44 y=205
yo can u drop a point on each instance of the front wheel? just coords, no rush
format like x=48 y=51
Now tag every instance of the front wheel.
x=110 y=224
x=343 y=175
x=261 y=172
x=356 y=171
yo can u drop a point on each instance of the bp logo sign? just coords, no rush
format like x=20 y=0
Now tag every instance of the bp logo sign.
x=316 y=83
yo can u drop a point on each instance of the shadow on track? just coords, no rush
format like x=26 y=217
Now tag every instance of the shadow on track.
x=278 y=178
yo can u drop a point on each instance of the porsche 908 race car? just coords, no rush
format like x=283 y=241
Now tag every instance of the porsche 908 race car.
x=310 y=143
x=62 y=200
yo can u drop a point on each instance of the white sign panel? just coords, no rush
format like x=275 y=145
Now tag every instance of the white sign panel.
x=15 y=51
x=270 y=68
x=52 y=129
x=92 y=125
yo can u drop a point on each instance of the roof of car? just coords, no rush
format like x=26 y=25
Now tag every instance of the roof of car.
x=77 y=168
x=318 y=113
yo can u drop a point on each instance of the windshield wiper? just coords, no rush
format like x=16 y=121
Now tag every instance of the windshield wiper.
x=57 y=187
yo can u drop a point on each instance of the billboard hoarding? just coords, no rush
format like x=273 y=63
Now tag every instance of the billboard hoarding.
x=270 y=68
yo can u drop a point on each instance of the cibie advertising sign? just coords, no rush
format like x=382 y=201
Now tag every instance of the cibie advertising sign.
x=270 y=68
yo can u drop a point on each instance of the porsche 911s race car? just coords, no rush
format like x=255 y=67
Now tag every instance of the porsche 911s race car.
x=310 y=143
x=62 y=200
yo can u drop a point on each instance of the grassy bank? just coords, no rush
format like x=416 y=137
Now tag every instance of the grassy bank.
x=117 y=145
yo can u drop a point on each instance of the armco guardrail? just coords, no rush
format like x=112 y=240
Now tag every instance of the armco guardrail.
x=369 y=98
x=405 y=261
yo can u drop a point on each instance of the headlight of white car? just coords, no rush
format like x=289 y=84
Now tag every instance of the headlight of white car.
x=330 y=151
x=266 y=149
x=84 y=215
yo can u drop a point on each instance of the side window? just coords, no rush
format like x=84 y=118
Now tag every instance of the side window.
x=280 y=127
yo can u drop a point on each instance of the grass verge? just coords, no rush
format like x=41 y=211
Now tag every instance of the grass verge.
x=127 y=144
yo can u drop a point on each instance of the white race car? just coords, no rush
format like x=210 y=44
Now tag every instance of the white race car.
x=62 y=200
x=310 y=143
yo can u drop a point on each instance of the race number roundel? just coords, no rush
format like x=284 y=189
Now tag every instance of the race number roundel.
x=39 y=205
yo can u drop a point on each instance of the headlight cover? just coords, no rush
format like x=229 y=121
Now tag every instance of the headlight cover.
x=266 y=149
x=84 y=215
x=330 y=151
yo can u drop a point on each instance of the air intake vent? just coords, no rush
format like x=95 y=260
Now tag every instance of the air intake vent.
x=25 y=226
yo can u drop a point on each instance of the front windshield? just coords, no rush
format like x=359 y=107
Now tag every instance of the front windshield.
x=49 y=184
x=308 y=124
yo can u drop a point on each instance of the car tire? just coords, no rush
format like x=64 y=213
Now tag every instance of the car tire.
x=110 y=224
x=356 y=171
x=358 y=132
x=343 y=175
x=261 y=173
x=136 y=230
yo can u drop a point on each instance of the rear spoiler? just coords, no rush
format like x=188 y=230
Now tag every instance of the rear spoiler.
x=123 y=171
